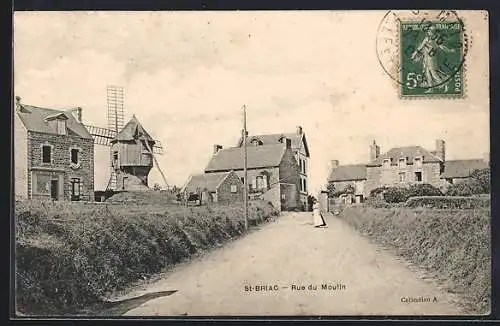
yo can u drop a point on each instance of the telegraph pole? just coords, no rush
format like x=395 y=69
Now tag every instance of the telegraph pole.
x=245 y=180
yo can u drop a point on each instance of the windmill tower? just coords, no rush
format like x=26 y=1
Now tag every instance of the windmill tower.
x=108 y=136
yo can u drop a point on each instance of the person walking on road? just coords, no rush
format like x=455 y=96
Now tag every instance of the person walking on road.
x=319 y=221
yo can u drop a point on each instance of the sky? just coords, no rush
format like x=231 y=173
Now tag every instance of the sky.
x=186 y=76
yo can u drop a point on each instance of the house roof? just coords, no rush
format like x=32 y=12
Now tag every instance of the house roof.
x=462 y=168
x=36 y=119
x=348 y=173
x=257 y=157
x=409 y=152
x=131 y=131
x=273 y=139
x=208 y=181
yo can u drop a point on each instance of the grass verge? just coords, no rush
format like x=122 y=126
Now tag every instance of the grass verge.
x=452 y=244
x=71 y=255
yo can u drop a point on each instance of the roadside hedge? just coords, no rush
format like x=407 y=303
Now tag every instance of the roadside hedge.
x=402 y=194
x=453 y=202
x=70 y=255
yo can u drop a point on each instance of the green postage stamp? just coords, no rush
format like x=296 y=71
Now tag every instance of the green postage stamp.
x=431 y=58
x=424 y=52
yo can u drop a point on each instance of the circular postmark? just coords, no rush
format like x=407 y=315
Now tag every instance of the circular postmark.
x=423 y=51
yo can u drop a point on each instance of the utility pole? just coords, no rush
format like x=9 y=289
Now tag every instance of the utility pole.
x=245 y=180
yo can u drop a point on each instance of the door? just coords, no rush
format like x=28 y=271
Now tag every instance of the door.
x=54 y=189
x=75 y=189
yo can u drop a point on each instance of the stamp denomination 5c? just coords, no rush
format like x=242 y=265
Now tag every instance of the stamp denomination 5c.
x=424 y=53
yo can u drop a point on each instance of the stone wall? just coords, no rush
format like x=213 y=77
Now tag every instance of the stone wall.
x=389 y=175
x=61 y=159
x=20 y=158
x=289 y=173
x=224 y=194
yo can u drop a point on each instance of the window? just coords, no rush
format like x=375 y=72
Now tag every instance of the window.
x=304 y=166
x=61 y=127
x=387 y=162
x=115 y=158
x=418 y=176
x=42 y=184
x=402 y=162
x=418 y=162
x=234 y=189
x=46 y=154
x=402 y=177
x=242 y=180
x=256 y=142
x=261 y=182
x=305 y=185
x=300 y=165
x=75 y=155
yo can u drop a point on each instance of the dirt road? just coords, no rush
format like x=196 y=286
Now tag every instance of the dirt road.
x=307 y=271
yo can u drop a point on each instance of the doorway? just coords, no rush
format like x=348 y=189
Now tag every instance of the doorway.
x=75 y=189
x=54 y=189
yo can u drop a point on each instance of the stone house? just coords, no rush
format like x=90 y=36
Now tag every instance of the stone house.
x=53 y=154
x=272 y=170
x=223 y=187
x=402 y=166
x=299 y=149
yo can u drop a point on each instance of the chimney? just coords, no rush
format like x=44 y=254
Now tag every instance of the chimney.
x=79 y=110
x=334 y=164
x=299 y=130
x=374 y=151
x=440 y=149
x=217 y=148
x=288 y=142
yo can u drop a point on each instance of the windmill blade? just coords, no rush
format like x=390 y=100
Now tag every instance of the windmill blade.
x=102 y=136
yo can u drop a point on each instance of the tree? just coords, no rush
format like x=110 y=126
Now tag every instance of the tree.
x=330 y=187
x=482 y=176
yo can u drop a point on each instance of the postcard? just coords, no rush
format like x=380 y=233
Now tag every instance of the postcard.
x=251 y=163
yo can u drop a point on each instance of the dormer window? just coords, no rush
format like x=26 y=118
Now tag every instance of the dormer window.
x=61 y=127
x=256 y=142
x=402 y=162
x=58 y=122
x=418 y=162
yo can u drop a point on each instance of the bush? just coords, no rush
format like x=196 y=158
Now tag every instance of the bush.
x=64 y=264
x=396 y=194
x=452 y=202
x=401 y=194
x=465 y=188
x=423 y=189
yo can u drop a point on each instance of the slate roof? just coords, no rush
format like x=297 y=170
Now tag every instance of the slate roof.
x=208 y=181
x=410 y=152
x=462 y=168
x=34 y=119
x=273 y=139
x=348 y=173
x=132 y=130
x=257 y=157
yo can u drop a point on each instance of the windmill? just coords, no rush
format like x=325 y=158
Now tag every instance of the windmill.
x=105 y=136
